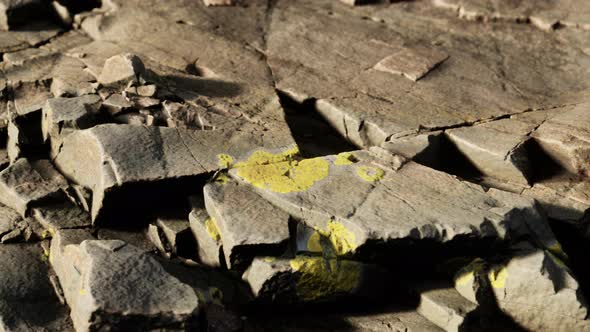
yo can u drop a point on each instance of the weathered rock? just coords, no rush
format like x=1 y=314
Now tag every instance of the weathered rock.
x=413 y=63
x=116 y=103
x=27 y=299
x=24 y=183
x=535 y=288
x=566 y=138
x=358 y=198
x=120 y=70
x=155 y=235
x=248 y=225
x=30 y=96
x=302 y=278
x=62 y=215
x=546 y=16
x=218 y=2
x=113 y=284
x=61 y=116
x=445 y=307
x=178 y=234
x=208 y=237
x=424 y=148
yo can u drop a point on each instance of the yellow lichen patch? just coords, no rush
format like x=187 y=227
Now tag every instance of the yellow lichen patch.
x=83 y=291
x=498 y=277
x=280 y=174
x=320 y=277
x=270 y=259
x=345 y=158
x=369 y=173
x=467 y=274
x=225 y=160
x=221 y=178
x=212 y=229
x=557 y=250
x=47 y=233
x=314 y=242
x=342 y=239
x=557 y=259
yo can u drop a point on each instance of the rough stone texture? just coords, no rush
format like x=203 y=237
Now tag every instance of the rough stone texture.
x=445 y=307
x=208 y=237
x=24 y=183
x=535 y=288
x=356 y=198
x=245 y=221
x=413 y=63
x=110 y=283
x=566 y=138
x=27 y=299
x=61 y=215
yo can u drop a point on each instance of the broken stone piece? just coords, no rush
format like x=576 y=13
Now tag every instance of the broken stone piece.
x=178 y=234
x=31 y=96
x=445 y=307
x=208 y=237
x=535 y=288
x=155 y=236
x=24 y=183
x=121 y=69
x=248 y=224
x=219 y=2
x=566 y=138
x=355 y=201
x=116 y=103
x=61 y=215
x=305 y=278
x=413 y=63
x=27 y=298
x=117 y=284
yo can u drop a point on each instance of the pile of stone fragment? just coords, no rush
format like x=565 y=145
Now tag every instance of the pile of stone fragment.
x=134 y=197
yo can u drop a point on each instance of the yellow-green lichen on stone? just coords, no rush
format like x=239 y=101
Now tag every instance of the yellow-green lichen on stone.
x=314 y=243
x=467 y=274
x=212 y=229
x=342 y=239
x=498 y=277
x=345 y=158
x=225 y=160
x=319 y=277
x=280 y=173
x=370 y=173
x=221 y=178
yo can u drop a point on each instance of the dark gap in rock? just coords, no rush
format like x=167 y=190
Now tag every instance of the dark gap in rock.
x=135 y=204
x=543 y=167
x=575 y=241
x=243 y=255
x=313 y=134
x=77 y=6
x=30 y=136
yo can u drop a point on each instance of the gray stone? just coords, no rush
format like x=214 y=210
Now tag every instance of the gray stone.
x=121 y=69
x=445 y=307
x=61 y=215
x=178 y=234
x=116 y=285
x=566 y=138
x=30 y=96
x=413 y=63
x=535 y=288
x=155 y=236
x=218 y=2
x=27 y=299
x=208 y=238
x=366 y=199
x=248 y=224
x=25 y=183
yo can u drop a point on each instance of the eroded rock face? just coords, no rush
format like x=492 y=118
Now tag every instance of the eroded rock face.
x=111 y=283
x=195 y=165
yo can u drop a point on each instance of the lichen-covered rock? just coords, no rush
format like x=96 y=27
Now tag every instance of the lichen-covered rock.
x=208 y=237
x=248 y=224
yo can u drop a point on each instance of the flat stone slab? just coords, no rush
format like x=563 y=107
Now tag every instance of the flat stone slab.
x=248 y=224
x=359 y=197
x=413 y=63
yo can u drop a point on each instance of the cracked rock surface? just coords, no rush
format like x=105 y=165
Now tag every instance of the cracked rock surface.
x=296 y=165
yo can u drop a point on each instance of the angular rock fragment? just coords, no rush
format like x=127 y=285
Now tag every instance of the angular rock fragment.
x=116 y=103
x=219 y=2
x=445 y=307
x=413 y=63
x=424 y=148
x=306 y=278
x=364 y=199
x=566 y=138
x=27 y=299
x=24 y=183
x=535 y=288
x=248 y=225
x=116 y=285
x=120 y=70
x=155 y=236
x=208 y=237
x=62 y=215
x=61 y=116
x=178 y=234
x=30 y=96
